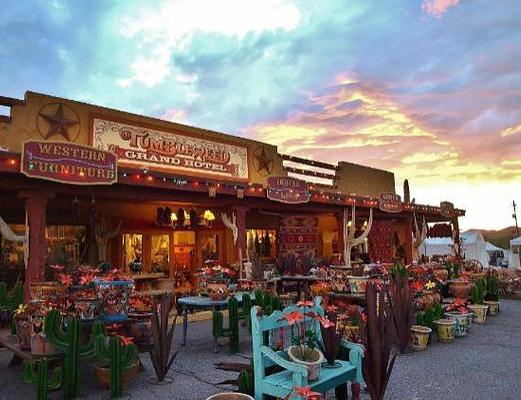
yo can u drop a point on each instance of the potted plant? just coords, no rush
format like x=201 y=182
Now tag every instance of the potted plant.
x=424 y=319
x=478 y=299
x=457 y=311
x=492 y=294
x=420 y=336
x=445 y=330
x=142 y=307
x=303 y=350
x=22 y=318
x=460 y=287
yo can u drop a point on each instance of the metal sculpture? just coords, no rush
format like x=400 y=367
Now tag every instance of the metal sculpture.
x=232 y=225
x=349 y=229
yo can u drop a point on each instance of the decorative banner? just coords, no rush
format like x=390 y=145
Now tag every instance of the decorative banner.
x=68 y=163
x=447 y=209
x=175 y=152
x=390 y=202
x=298 y=234
x=289 y=190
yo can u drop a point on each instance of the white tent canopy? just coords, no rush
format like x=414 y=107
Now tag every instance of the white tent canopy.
x=515 y=253
x=473 y=247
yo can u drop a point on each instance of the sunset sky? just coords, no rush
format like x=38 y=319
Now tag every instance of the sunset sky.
x=429 y=89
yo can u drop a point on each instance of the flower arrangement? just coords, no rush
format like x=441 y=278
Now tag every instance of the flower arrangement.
x=303 y=343
x=140 y=302
x=321 y=288
x=459 y=304
x=304 y=392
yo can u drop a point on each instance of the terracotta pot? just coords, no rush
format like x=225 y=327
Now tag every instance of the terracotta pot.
x=23 y=331
x=445 y=330
x=217 y=290
x=103 y=375
x=46 y=291
x=86 y=309
x=114 y=297
x=40 y=345
x=460 y=288
x=441 y=273
x=230 y=396
x=420 y=337
x=313 y=367
x=462 y=322
x=480 y=312
x=493 y=307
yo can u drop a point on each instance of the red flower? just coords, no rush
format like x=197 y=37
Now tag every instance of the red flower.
x=331 y=308
x=326 y=323
x=126 y=340
x=417 y=286
x=293 y=317
x=307 y=393
x=86 y=279
x=65 y=279
x=305 y=304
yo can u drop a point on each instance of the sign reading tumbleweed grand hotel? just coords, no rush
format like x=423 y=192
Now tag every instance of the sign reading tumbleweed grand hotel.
x=390 y=202
x=68 y=163
x=170 y=151
x=287 y=190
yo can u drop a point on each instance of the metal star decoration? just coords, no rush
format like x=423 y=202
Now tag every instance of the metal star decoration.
x=263 y=160
x=58 y=124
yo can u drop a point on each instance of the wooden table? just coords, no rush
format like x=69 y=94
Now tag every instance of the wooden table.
x=203 y=303
x=302 y=282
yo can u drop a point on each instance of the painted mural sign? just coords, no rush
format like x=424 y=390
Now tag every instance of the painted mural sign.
x=447 y=209
x=390 y=202
x=288 y=190
x=170 y=151
x=68 y=163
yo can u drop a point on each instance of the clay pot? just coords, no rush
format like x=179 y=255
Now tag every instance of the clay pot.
x=114 y=298
x=493 y=307
x=46 y=291
x=40 y=345
x=462 y=322
x=476 y=276
x=459 y=288
x=445 y=330
x=86 y=308
x=217 y=290
x=230 y=396
x=441 y=273
x=313 y=367
x=23 y=331
x=420 y=337
x=103 y=375
x=480 y=312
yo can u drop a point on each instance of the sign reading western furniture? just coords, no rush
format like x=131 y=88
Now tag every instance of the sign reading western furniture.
x=68 y=163
x=390 y=202
x=176 y=151
x=288 y=190
x=447 y=209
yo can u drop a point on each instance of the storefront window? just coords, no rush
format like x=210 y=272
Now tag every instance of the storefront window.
x=133 y=246
x=12 y=253
x=209 y=247
x=160 y=253
x=64 y=244
x=261 y=242
x=184 y=247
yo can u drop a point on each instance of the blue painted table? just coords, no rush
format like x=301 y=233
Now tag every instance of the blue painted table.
x=203 y=303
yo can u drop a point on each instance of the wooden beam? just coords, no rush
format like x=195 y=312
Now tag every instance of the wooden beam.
x=10 y=101
x=312 y=163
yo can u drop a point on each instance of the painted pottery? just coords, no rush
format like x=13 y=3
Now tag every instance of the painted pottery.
x=23 y=331
x=46 y=291
x=357 y=284
x=230 y=396
x=217 y=290
x=313 y=367
x=352 y=332
x=480 y=312
x=420 y=337
x=40 y=345
x=339 y=278
x=103 y=375
x=462 y=322
x=114 y=299
x=441 y=273
x=460 y=288
x=288 y=299
x=445 y=330
x=86 y=309
x=493 y=307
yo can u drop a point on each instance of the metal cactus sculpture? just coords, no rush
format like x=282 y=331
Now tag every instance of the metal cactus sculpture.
x=419 y=236
x=39 y=375
x=232 y=331
x=118 y=357
x=349 y=230
x=69 y=340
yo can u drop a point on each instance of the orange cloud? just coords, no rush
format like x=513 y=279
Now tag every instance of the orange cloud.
x=438 y=7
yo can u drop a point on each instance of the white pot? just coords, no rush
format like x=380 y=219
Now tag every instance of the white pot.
x=313 y=367
x=230 y=396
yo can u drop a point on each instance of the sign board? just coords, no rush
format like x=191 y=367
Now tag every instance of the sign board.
x=288 y=190
x=390 y=202
x=447 y=209
x=68 y=163
x=171 y=151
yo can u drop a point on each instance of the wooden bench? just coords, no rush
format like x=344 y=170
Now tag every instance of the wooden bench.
x=267 y=330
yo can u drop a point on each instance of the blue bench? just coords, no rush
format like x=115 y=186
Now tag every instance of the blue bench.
x=267 y=330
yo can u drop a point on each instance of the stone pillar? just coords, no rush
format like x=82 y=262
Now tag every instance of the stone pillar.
x=240 y=249
x=35 y=208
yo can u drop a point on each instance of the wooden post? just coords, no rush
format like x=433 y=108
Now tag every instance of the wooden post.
x=35 y=208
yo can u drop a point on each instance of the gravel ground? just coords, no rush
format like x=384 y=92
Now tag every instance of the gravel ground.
x=484 y=365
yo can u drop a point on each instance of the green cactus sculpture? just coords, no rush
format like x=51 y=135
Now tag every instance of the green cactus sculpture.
x=245 y=382
x=119 y=358
x=69 y=341
x=244 y=313
x=11 y=303
x=41 y=378
x=232 y=331
x=267 y=302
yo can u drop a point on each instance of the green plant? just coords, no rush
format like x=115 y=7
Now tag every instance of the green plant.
x=161 y=353
x=492 y=287
x=478 y=291
x=429 y=315
x=118 y=357
x=307 y=263
x=267 y=301
x=287 y=264
x=399 y=271
x=453 y=269
x=69 y=340
x=41 y=377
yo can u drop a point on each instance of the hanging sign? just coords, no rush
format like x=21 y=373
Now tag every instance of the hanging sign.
x=390 y=202
x=447 y=209
x=171 y=151
x=288 y=190
x=68 y=163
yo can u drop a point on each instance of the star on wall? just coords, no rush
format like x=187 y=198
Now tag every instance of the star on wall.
x=264 y=160
x=58 y=124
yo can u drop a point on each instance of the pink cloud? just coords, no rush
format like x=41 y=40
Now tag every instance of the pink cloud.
x=175 y=115
x=438 y=7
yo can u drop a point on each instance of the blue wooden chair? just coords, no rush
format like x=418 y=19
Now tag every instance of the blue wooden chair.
x=281 y=384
